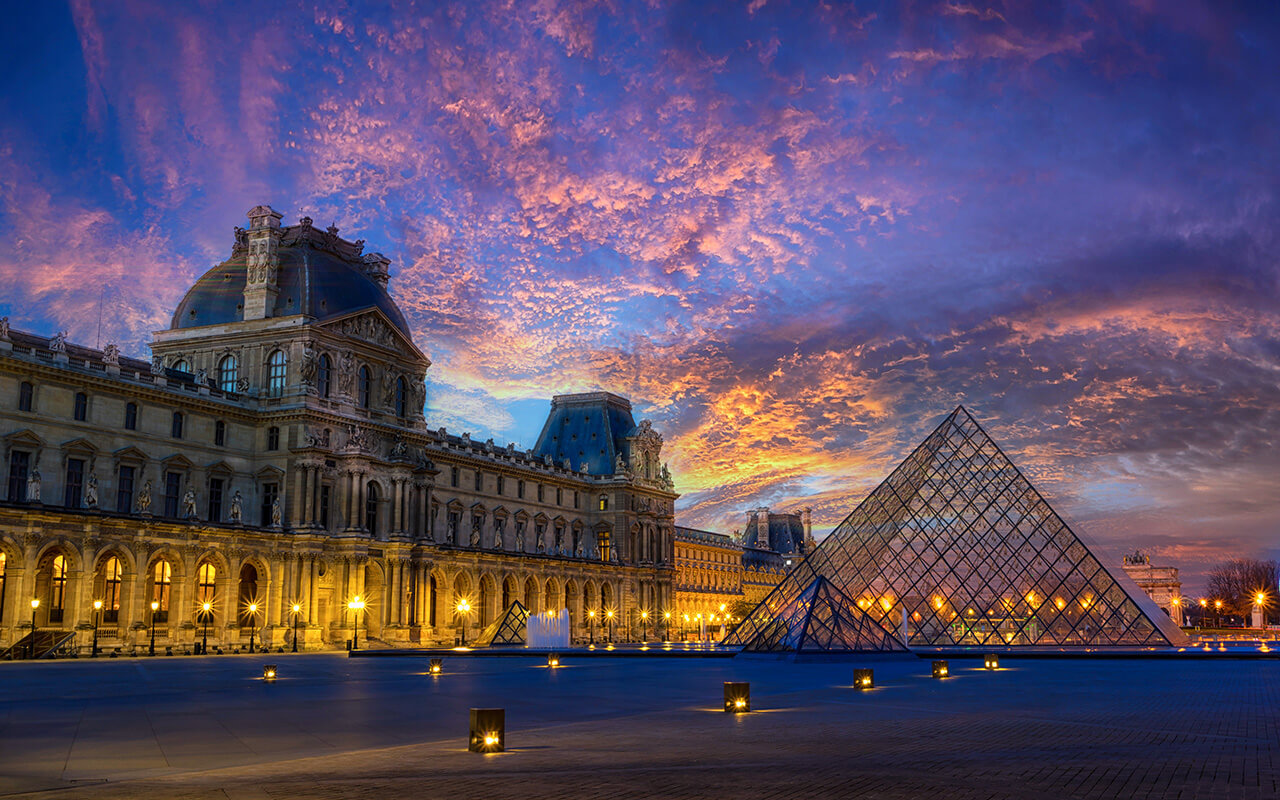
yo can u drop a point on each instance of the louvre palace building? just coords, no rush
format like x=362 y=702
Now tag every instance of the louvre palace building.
x=270 y=471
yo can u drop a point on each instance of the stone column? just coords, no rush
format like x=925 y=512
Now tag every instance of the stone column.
x=299 y=491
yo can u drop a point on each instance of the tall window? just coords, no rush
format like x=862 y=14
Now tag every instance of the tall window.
x=82 y=406
x=602 y=544
x=74 y=484
x=248 y=594
x=3 y=558
x=500 y=483
x=131 y=416
x=161 y=581
x=371 y=508
x=215 y=499
x=604 y=502
x=228 y=373
x=111 y=576
x=273 y=438
x=453 y=476
x=176 y=431
x=276 y=374
x=19 y=463
x=172 y=493
x=479 y=481
x=324 y=507
x=520 y=489
x=269 y=493
x=206 y=583
x=576 y=502
x=57 y=588
x=124 y=490
x=539 y=493
x=219 y=433
x=25 y=392
x=401 y=397
x=559 y=496
x=324 y=375
x=364 y=387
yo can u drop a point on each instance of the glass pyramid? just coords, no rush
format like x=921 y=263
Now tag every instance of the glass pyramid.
x=957 y=548
x=820 y=619
x=508 y=628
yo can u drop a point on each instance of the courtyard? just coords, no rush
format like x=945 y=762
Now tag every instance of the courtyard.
x=332 y=726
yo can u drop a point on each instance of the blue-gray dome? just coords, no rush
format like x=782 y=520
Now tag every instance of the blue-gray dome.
x=319 y=275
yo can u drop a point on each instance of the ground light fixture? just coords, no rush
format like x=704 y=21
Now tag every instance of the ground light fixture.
x=488 y=730
x=553 y=660
x=864 y=678
x=269 y=672
x=991 y=661
x=435 y=666
x=737 y=697
x=940 y=669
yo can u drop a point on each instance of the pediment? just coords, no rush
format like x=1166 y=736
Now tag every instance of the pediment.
x=26 y=436
x=500 y=511
x=220 y=467
x=80 y=445
x=269 y=472
x=131 y=453
x=177 y=461
x=371 y=326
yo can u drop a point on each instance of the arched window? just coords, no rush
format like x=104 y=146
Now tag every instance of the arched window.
x=57 y=588
x=161 y=581
x=131 y=416
x=324 y=375
x=248 y=594
x=371 y=508
x=364 y=387
x=111 y=575
x=401 y=397
x=604 y=502
x=228 y=373
x=206 y=583
x=276 y=369
x=82 y=406
x=25 y=392
x=181 y=365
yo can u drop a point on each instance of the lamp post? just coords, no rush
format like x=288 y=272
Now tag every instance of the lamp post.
x=155 y=606
x=1217 y=606
x=609 y=613
x=253 y=623
x=591 y=626
x=1204 y=610
x=666 y=625
x=644 y=626
x=31 y=648
x=297 y=614
x=97 y=614
x=206 y=611
x=463 y=608
x=1176 y=602
x=1260 y=601
x=356 y=605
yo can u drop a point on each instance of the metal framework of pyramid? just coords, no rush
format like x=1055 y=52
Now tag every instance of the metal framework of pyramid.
x=957 y=548
x=509 y=628
x=821 y=619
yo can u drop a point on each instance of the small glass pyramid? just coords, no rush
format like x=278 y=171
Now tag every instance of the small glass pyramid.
x=508 y=628
x=820 y=619
x=957 y=548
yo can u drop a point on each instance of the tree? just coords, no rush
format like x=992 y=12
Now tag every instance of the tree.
x=1237 y=582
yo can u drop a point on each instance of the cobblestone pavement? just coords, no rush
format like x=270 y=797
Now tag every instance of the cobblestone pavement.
x=622 y=728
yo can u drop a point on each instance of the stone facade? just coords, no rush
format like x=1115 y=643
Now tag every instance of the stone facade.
x=274 y=452
x=708 y=582
x=1160 y=583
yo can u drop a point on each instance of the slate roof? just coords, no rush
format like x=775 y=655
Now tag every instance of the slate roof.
x=782 y=533
x=587 y=428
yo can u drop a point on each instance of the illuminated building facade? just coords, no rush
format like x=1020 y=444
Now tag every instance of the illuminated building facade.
x=273 y=455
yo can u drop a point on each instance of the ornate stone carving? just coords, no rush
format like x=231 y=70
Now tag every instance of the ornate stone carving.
x=346 y=374
x=316 y=437
x=33 y=486
x=399 y=449
x=237 y=508
x=475 y=531
x=4 y=328
x=189 y=504
x=370 y=328
x=310 y=367
x=357 y=440
x=58 y=344
x=202 y=377
x=110 y=355
x=144 y=498
x=91 y=491
x=157 y=365
x=275 y=512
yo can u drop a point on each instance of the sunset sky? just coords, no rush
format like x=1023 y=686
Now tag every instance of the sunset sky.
x=796 y=235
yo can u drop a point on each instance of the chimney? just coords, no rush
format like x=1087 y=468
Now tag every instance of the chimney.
x=263 y=263
x=378 y=268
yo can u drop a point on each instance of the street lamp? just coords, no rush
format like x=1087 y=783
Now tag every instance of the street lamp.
x=644 y=626
x=297 y=613
x=1260 y=600
x=206 y=611
x=463 y=608
x=609 y=613
x=155 y=606
x=31 y=648
x=591 y=625
x=253 y=623
x=1217 y=605
x=1204 y=610
x=356 y=605
x=666 y=623
x=97 y=612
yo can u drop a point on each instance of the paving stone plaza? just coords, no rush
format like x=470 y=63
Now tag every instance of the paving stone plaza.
x=610 y=727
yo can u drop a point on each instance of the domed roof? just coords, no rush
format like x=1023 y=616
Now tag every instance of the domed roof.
x=319 y=275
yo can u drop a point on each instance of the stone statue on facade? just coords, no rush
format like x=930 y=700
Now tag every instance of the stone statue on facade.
x=237 y=508
x=500 y=535
x=4 y=328
x=189 y=504
x=347 y=374
x=202 y=377
x=541 y=545
x=475 y=532
x=111 y=355
x=91 y=491
x=309 y=367
x=316 y=438
x=242 y=385
x=389 y=391
x=144 y=499
x=33 y=486
x=619 y=466
x=275 y=512
x=58 y=343
x=399 y=449
x=519 y=536
x=666 y=476
x=559 y=540
x=157 y=365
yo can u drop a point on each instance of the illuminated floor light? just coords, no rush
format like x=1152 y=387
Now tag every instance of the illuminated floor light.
x=553 y=660
x=991 y=661
x=435 y=666
x=737 y=697
x=864 y=678
x=268 y=672
x=940 y=669
x=488 y=730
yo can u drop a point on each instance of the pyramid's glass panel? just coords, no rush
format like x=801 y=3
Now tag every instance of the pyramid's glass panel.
x=818 y=619
x=956 y=547
x=509 y=628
